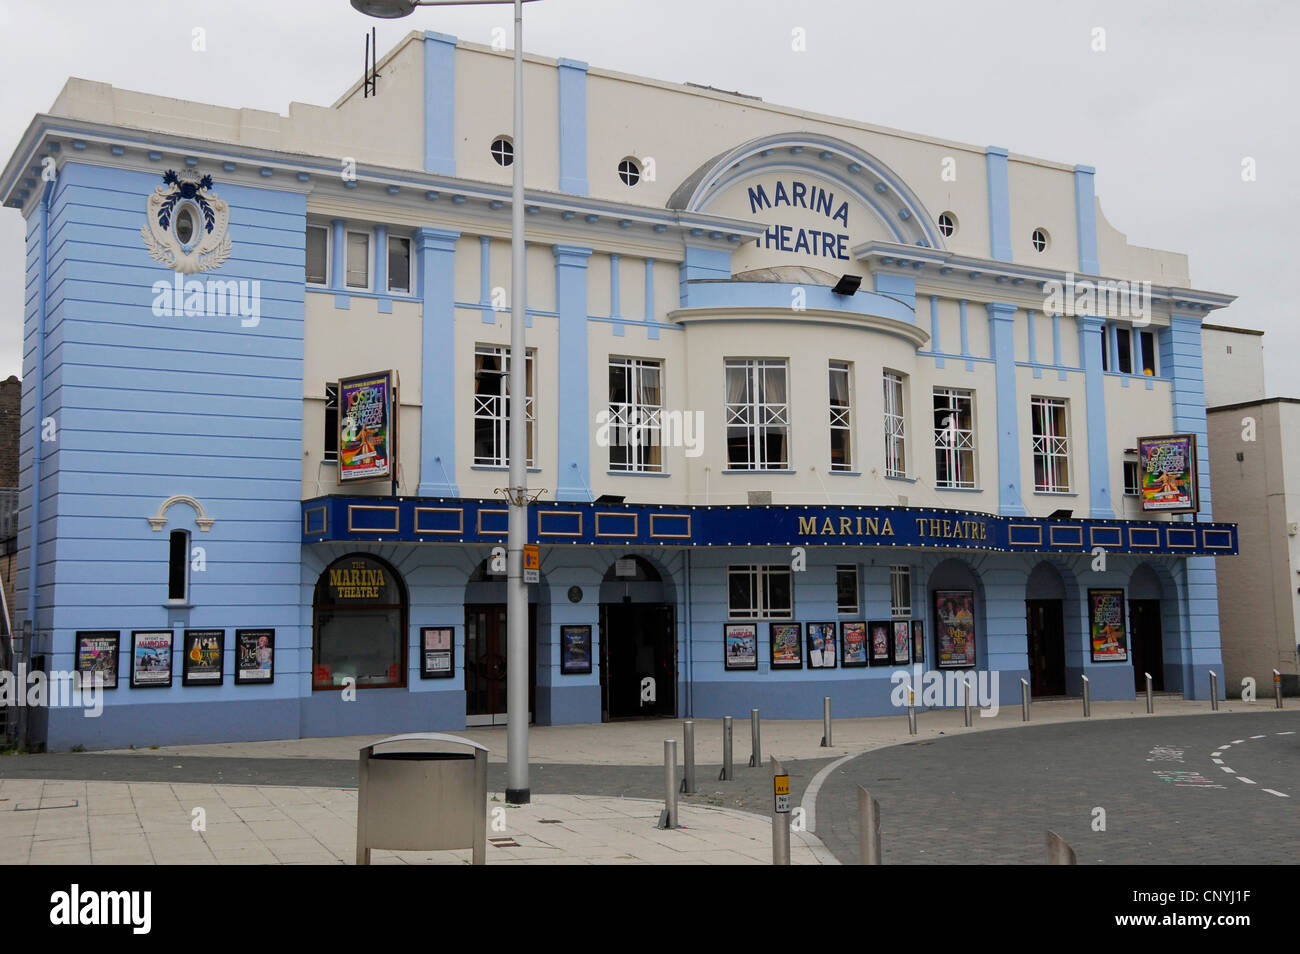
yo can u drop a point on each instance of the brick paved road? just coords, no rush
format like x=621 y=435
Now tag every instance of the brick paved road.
x=988 y=798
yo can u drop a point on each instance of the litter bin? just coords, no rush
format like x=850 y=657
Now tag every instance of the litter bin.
x=429 y=799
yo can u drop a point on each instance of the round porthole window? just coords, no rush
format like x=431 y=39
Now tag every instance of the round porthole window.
x=503 y=151
x=947 y=223
x=1040 y=239
x=629 y=170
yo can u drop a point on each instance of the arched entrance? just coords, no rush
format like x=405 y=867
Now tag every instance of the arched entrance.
x=1145 y=630
x=638 y=642
x=1045 y=631
x=359 y=614
x=486 y=648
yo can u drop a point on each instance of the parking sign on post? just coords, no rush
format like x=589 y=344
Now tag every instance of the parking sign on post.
x=532 y=562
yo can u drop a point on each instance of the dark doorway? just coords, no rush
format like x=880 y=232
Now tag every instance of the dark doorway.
x=637 y=641
x=1045 y=629
x=485 y=663
x=1148 y=650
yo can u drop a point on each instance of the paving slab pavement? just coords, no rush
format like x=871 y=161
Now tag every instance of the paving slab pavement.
x=141 y=823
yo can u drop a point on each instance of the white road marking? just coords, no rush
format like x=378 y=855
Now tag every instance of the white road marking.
x=1228 y=770
x=1257 y=736
x=1214 y=754
x=1238 y=741
x=1277 y=793
x=1292 y=732
x=1217 y=761
x=1242 y=778
x=809 y=801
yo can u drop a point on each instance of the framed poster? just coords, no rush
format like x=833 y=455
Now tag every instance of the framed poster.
x=740 y=645
x=575 y=650
x=366 y=434
x=853 y=644
x=787 y=645
x=954 y=628
x=918 y=641
x=437 y=652
x=1167 y=473
x=1106 y=626
x=821 y=646
x=254 y=655
x=151 y=658
x=878 y=634
x=203 y=656
x=902 y=642
x=98 y=652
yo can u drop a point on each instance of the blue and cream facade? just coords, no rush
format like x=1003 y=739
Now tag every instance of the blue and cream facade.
x=823 y=456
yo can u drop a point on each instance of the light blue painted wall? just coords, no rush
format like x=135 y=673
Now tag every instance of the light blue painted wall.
x=148 y=406
x=1085 y=214
x=995 y=159
x=1090 y=332
x=435 y=284
x=439 y=103
x=573 y=126
x=1002 y=349
x=574 y=477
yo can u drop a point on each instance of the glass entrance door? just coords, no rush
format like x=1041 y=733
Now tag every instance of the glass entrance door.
x=486 y=662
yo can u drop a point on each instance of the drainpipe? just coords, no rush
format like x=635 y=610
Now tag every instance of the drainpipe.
x=38 y=407
x=690 y=655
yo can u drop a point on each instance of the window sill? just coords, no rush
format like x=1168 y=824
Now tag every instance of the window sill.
x=178 y=604
x=960 y=490
x=1054 y=493
x=531 y=470
x=845 y=473
x=636 y=473
x=751 y=473
x=906 y=480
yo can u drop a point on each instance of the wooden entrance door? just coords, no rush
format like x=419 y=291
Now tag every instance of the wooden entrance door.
x=486 y=661
x=1045 y=630
x=1148 y=648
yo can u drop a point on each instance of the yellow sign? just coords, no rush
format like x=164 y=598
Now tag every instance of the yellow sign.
x=532 y=562
x=781 y=790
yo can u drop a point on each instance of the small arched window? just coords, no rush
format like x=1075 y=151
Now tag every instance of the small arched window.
x=178 y=567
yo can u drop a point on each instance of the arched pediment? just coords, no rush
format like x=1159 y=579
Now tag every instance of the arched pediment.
x=831 y=172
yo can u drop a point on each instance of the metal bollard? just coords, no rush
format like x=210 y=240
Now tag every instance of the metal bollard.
x=1214 y=691
x=780 y=815
x=1024 y=700
x=911 y=710
x=1277 y=689
x=967 y=690
x=1059 y=851
x=1151 y=701
x=868 y=828
x=688 y=756
x=826 y=722
x=668 y=818
x=728 y=769
x=1087 y=698
x=755 y=758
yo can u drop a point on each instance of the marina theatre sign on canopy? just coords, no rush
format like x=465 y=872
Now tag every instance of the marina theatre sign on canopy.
x=796 y=193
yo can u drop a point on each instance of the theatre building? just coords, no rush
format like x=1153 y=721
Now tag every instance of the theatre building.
x=809 y=403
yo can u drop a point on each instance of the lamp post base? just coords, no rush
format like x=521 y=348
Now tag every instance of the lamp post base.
x=518 y=796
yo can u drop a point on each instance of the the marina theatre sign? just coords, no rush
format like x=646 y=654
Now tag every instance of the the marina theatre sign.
x=797 y=194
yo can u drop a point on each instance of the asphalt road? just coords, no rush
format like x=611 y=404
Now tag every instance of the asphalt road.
x=990 y=797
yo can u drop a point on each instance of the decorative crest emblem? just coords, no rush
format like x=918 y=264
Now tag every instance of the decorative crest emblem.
x=186 y=228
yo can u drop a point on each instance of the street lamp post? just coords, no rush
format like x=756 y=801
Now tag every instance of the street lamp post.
x=517 y=791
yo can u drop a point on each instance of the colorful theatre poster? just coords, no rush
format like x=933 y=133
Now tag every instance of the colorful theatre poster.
x=1167 y=473
x=1106 y=626
x=954 y=628
x=853 y=640
x=741 y=645
x=787 y=645
x=97 y=657
x=902 y=642
x=202 y=657
x=821 y=646
x=879 y=642
x=918 y=640
x=575 y=650
x=151 y=658
x=366 y=438
x=254 y=655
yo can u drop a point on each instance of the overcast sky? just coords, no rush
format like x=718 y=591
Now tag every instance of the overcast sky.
x=1183 y=92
